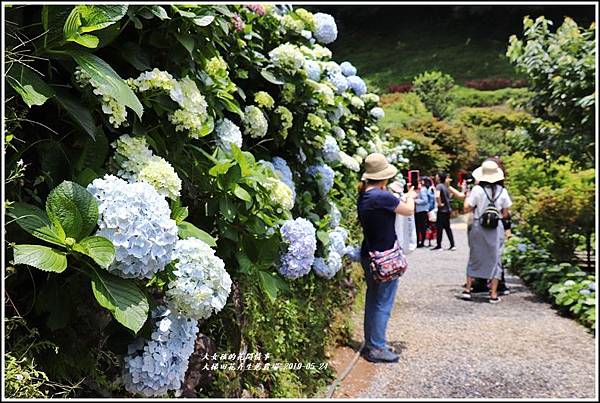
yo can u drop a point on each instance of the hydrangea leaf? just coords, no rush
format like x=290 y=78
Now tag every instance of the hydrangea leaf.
x=159 y=12
x=29 y=85
x=178 y=212
x=36 y=222
x=242 y=193
x=204 y=21
x=122 y=298
x=74 y=208
x=189 y=230
x=40 y=257
x=100 y=249
x=270 y=77
x=271 y=285
x=135 y=55
x=76 y=111
x=106 y=77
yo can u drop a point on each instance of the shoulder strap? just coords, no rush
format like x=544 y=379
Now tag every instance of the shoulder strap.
x=493 y=202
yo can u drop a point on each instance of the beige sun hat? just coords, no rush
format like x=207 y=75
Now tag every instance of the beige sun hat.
x=378 y=168
x=489 y=172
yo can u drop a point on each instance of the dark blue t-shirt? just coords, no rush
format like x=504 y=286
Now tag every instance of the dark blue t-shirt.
x=376 y=215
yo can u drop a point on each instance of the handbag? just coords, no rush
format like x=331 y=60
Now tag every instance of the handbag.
x=432 y=216
x=388 y=265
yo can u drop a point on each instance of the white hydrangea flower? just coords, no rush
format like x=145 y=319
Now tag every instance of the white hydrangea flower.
x=155 y=366
x=137 y=220
x=377 y=113
x=349 y=162
x=339 y=132
x=228 y=133
x=116 y=111
x=202 y=285
x=154 y=79
x=335 y=215
x=188 y=96
x=280 y=192
x=325 y=28
x=255 y=123
x=287 y=57
x=357 y=102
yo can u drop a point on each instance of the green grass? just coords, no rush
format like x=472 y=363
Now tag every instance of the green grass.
x=400 y=56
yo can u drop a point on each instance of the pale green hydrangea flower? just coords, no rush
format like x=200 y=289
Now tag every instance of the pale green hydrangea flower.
x=287 y=57
x=357 y=102
x=161 y=175
x=292 y=24
x=264 y=100
x=117 y=112
x=154 y=79
x=288 y=92
x=255 y=123
x=286 y=118
x=307 y=17
x=370 y=98
x=216 y=67
x=281 y=193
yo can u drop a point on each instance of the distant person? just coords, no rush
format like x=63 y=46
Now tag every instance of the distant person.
x=486 y=199
x=431 y=232
x=377 y=209
x=443 y=192
x=421 y=209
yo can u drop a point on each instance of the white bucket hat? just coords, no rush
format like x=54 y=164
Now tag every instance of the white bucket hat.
x=489 y=172
x=378 y=168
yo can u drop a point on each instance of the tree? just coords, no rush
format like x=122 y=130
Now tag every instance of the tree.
x=560 y=67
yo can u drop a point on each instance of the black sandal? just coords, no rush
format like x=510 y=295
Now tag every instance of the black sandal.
x=466 y=295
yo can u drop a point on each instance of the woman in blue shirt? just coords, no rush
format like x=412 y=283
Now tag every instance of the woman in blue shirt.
x=421 y=209
x=377 y=209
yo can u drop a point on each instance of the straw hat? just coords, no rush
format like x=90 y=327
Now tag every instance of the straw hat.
x=378 y=168
x=489 y=172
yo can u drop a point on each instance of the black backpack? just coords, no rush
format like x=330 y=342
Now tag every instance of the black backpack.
x=491 y=216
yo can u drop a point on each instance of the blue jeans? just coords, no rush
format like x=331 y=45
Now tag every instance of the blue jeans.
x=378 y=307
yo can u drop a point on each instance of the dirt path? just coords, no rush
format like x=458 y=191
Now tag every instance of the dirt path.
x=452 y=348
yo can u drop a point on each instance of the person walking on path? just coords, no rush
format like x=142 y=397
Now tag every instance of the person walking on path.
x=431 y=232
x=487 y=198
x=421 y=210
x=442 y=196
x=377 y=209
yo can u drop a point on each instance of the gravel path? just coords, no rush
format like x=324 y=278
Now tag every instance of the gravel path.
x=452 y=348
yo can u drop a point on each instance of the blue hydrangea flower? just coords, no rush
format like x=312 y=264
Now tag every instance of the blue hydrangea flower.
x=585 y=291
x=331 y=150
x=325 y=28
x=155 y=366
x=339 y=82
x=281 y=166
x=348 y=69
x=334 y=261
x=322 y=269
x=377 y=112
x=313 y=70
x=569 y=283
x=592 y=286
x=353 y=252
x=521 y=247
x=357 y=85
x=324 y=175
x=300 y=235
x=137 y=220
x=337 y=240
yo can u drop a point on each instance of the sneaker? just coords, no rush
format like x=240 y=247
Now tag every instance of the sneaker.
x=466 y=295
x=452 y=248
x=381 y=355
x=390 y=348
x=494 y=300
x=436 y=248
x=505 y=292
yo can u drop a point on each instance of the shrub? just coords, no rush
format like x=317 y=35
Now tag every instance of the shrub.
x=400 y=88
x=560 y=67
x=464 y=96
x=434 y=90
x=402 y=110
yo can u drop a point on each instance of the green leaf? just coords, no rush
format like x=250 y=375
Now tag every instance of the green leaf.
x=189 y=230
x=86 y=176
x=29 y=85
x=187 y=41
x=135 y=55
x=242 y=193
x=227 y=209
x=246 y=265
x=101 y=71
x=89 y=41
x=100 y=249
x=204 y=21
x=36 y=222
x=323 y=236
x=271 y=285
x=40 y=257
x=94 y=152
x=159 y=12
x=121 y=297
x=96 y=17
x=74 y=208
x=178 y=212
x=76 y=111
x=221 y=168
x=270 y=77
x=241 y=159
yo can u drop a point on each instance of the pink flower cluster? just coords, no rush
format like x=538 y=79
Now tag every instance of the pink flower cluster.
x=257 y=8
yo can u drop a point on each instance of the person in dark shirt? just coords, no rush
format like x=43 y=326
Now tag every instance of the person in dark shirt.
x=442 y=193
x=377 y=209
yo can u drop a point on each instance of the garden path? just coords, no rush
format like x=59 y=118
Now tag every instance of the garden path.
x=450 y=348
